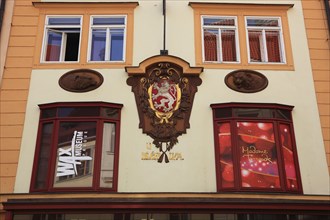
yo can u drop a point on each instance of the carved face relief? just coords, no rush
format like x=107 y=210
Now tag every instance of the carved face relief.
x=246 y=81
x=164 y=96
x=81 y=80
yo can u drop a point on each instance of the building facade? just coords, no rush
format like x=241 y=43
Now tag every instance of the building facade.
x=166 y=110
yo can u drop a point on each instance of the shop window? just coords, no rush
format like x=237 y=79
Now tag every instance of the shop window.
x=220 y=39
x=171 y=216
x=107 y=38
x=265 y=40
x=255 y=148
x=61 y=39
x=77 y=147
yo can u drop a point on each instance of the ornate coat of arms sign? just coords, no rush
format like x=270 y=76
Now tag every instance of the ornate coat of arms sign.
x=164 y=88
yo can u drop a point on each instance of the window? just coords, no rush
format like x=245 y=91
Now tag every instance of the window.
x=255 y=148
x=97 y=35
x=107 y=38
x=265 y=41
x=77 y=147
x=220 y=39
x=242 y=36
x=62 y=39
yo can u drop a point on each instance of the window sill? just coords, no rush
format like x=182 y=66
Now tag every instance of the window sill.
x=251 y=66
x=77 y=65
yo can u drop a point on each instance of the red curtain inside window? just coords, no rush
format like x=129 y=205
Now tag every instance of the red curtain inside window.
x=254 y=44
x=226 y=157
x=210 y=47
x=273 y=49
x=228 y=46
x=53 y=52
x=287 y=148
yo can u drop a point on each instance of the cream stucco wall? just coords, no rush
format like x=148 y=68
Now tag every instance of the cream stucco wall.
x=196 y=173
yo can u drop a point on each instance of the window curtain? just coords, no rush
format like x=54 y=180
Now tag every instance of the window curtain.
x=53 y=52
x=254 y=44
x=228 y=46
x=273 y=49
x=210 y=46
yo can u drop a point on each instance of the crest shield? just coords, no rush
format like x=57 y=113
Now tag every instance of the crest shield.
x=164 y=98
x=164 y=88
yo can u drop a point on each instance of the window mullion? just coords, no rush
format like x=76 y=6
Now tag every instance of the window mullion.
x=63 y=46
x=219 y=46
x=107 y=45
x=97 y=155
x=280 y=158
x=236 y=154
x=281 y=46
x=53 y=157
x=264 y=46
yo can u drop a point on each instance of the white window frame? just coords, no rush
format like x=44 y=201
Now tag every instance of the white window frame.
x=264 y=56
x=219 y=43
x=63 y=43
x=108 y=36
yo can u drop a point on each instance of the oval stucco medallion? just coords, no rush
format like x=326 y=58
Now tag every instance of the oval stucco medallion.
x=81 y=80
x=246 y=81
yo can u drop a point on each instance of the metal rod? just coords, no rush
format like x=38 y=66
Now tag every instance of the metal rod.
x=164 y=51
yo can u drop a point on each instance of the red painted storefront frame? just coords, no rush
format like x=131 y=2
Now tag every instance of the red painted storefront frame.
x=236 y=154
x=98 y=142
x=167 y=205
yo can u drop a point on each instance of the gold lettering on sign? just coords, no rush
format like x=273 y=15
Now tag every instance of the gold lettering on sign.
x=152 y=155
x=253 y=153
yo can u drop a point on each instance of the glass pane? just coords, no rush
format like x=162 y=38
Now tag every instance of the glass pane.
x=219 y=21
x=54 y=43
x=228 y=45
x=223 y=112
x=48 y=113
x=87 y=216
x=78 y=111
x=270 y=217
x=108 y=21
x=226 y=157
x=28 y=217
x=98 y=45
x=283 y=114
x=210 y=44
x=116 y=45
x=226 y=217
x=255 y=45
x=84 y=216
x=110 y=113
x=287 y=148
x=44 y=156
x=64 y=21
x=273 y=46
x=72 y=46
x=253 y=113
x=263 y=22
x=259 y=165
x=75 y=154
x=108 y=156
